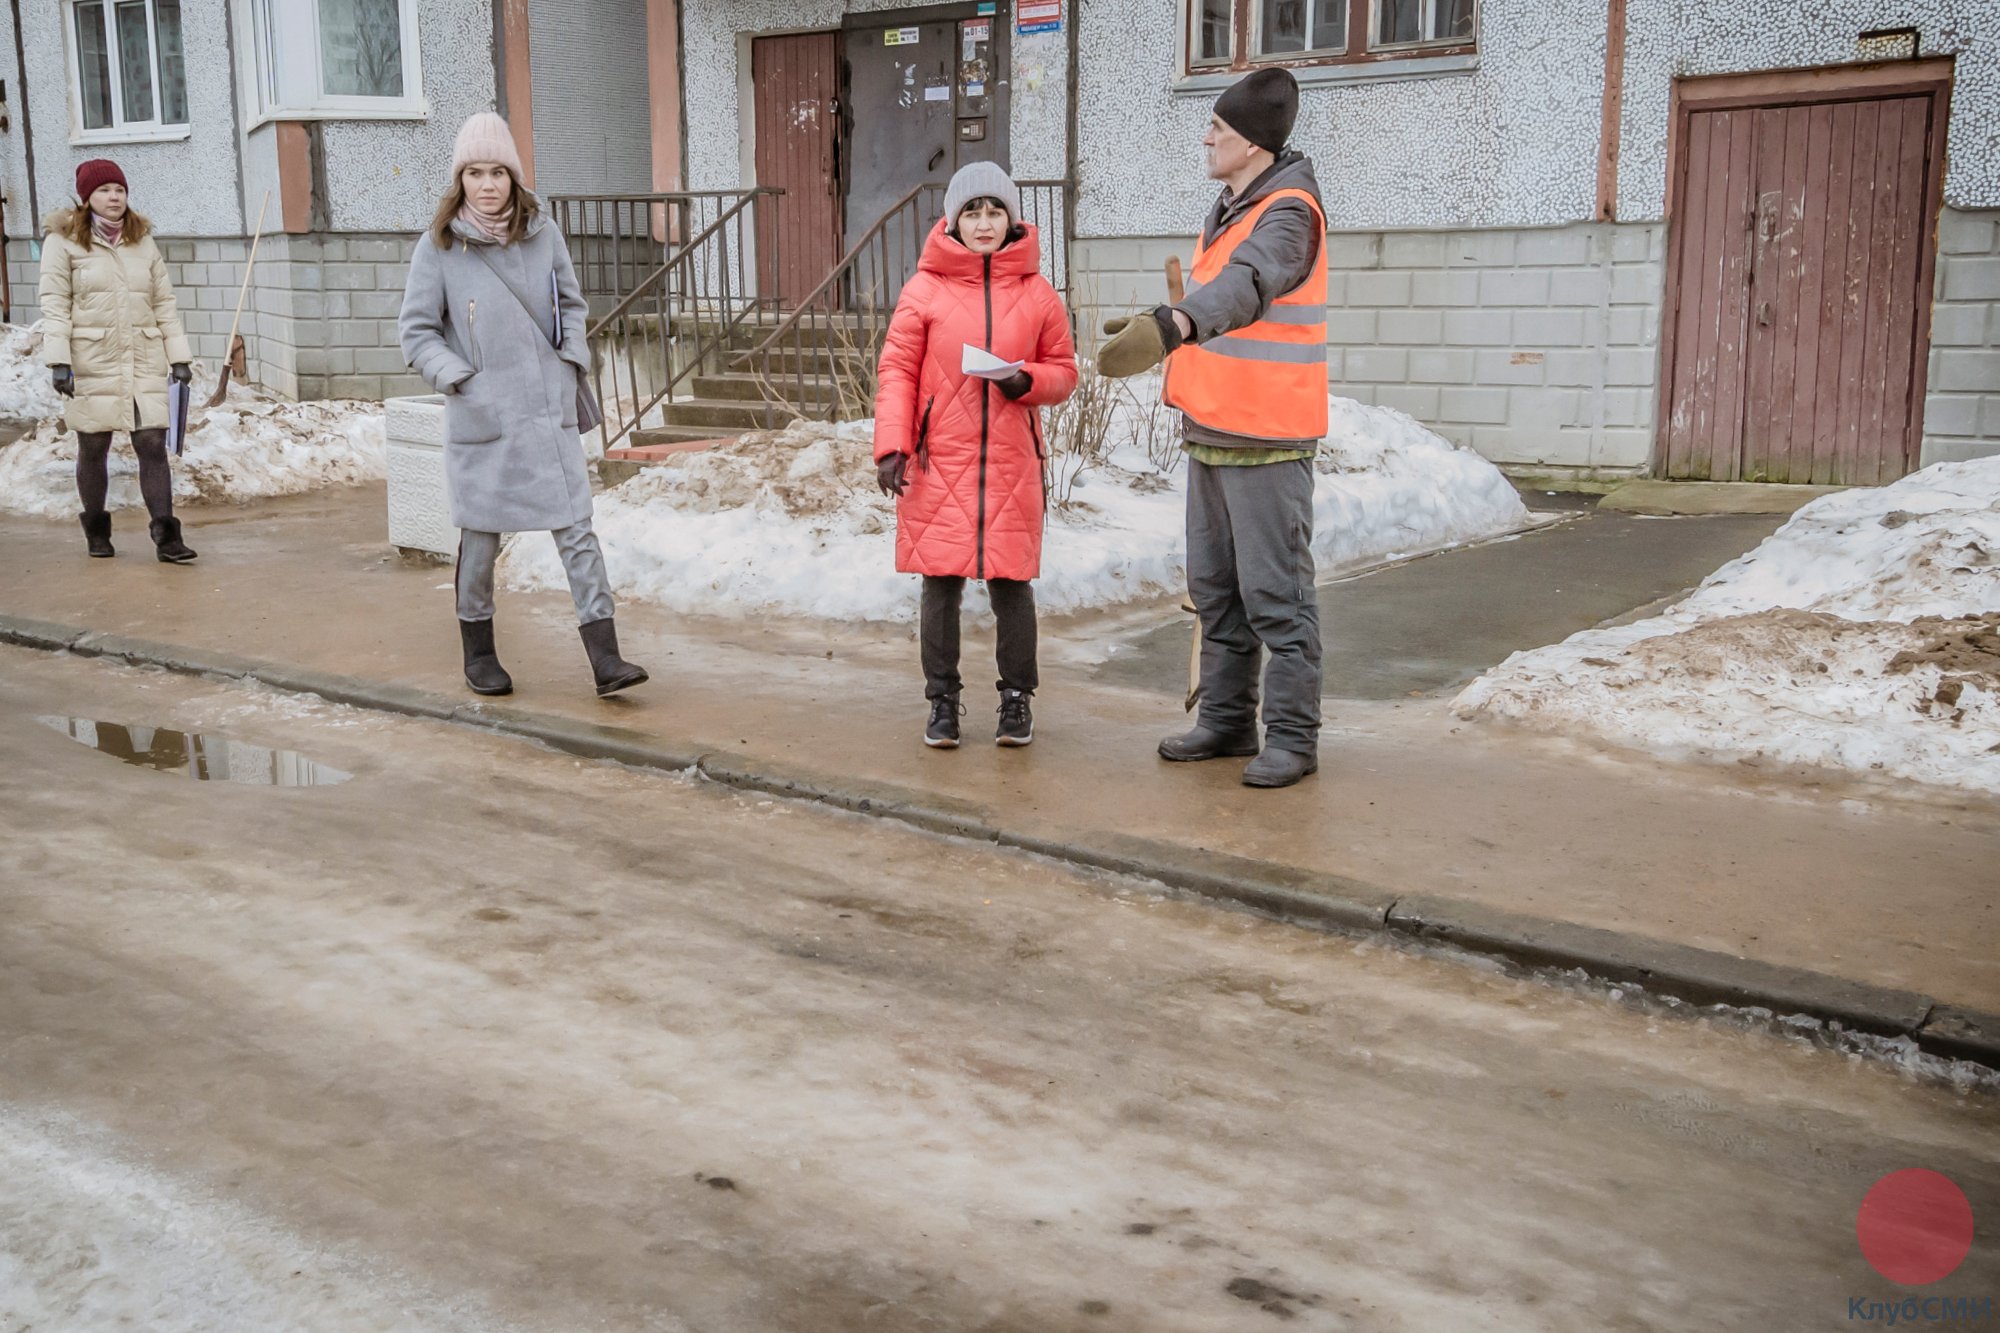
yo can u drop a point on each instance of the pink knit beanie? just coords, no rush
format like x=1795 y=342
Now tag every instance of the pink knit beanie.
x=485 y=138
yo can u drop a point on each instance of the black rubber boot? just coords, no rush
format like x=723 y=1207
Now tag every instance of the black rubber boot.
x=167 y=541
x=483 y=671
x=97 y=531
x=1201 y=743
x=614 y=673
x=1279 y=768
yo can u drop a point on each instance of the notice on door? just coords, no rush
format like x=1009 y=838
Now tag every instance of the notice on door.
x=1033 y=16
x=901 y=36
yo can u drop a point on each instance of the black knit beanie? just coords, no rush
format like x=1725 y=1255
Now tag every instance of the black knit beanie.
x=1261 y=107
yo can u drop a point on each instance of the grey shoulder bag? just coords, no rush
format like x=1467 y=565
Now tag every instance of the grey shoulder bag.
x=589 y=416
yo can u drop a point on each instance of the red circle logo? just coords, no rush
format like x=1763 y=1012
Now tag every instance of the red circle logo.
x=1915 y=1227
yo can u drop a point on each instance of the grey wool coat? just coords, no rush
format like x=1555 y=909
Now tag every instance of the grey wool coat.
x=512 y=459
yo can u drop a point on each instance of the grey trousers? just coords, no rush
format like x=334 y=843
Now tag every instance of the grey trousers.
x=583 y=561
x=1250 y=572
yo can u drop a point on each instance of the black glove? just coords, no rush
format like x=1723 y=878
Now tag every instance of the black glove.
x=1017 y=385
x=182 y=373
x=65 y=380
x=889 y=474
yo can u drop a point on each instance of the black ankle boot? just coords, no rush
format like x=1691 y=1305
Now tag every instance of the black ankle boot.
x=614 y=673
x=483 y=671
x=97 y=531
x=167 y=541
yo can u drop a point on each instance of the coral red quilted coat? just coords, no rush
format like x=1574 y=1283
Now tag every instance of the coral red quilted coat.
x=973 y=507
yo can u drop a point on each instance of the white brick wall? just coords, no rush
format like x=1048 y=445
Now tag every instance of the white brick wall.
x=320 y=320
x=1962 y=405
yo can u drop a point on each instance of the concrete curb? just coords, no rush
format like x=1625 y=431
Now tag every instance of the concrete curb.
x=1294 y=894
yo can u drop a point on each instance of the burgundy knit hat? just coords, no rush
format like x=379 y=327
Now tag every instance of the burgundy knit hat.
x=96 y=173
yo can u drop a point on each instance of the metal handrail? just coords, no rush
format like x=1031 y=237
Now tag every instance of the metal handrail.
x=847 y=261
x=681 y=256
x=839 y=270
x=708 y=250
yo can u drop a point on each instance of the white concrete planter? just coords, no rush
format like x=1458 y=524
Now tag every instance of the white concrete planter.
x=419 y=507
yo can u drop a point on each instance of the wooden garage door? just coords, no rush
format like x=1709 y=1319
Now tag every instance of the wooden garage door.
x=1799 y=291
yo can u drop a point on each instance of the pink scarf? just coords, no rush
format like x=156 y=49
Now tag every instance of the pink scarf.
x=108 y=232
x=492 y=228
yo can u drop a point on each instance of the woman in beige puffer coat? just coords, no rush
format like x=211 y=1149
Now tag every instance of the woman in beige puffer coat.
x=112 y=338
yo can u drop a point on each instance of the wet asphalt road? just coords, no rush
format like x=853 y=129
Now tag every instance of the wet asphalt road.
x=488 y=1038
x=1431 y=625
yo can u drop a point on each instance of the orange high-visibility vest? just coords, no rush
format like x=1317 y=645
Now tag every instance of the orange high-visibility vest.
x=1267 y=380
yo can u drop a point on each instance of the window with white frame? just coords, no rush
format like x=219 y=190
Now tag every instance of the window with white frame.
x=127 y=71
x=1232 y=35
x=336 y=57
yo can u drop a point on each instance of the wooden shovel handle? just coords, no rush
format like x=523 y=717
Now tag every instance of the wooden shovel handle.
x=1175 y=289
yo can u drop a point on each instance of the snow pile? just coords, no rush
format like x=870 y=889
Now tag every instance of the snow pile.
x=1863 y=636
x=252 y=447
x=26 y=392
x=791 y=522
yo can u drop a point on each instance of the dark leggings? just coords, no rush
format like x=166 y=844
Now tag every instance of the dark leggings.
x=1013 y=607
x=93 y=470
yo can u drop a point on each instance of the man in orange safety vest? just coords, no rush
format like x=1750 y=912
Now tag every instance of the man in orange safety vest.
x=1245 y=351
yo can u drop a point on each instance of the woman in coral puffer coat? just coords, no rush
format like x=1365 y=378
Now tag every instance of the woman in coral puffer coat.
x=963 y=454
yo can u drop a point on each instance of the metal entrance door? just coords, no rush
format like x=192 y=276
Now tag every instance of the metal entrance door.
x=795 y=81
x=926 y=92
x=1799 y=289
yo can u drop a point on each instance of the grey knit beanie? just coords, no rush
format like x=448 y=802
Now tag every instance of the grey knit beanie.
x=980 y=180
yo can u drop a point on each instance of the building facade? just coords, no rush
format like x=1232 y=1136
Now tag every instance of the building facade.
x=336 y=119
x=1589 y=238
x=1501 y=181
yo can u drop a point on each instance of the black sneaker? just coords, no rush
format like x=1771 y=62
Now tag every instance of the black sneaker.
x=1017 y=724
x=942 y=733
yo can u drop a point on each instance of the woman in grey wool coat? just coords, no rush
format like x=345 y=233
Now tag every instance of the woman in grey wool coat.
x=479 y=323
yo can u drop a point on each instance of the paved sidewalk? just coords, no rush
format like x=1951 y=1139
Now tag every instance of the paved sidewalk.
x=1838 y=902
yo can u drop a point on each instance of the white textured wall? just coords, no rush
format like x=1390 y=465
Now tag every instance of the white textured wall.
x=188 y=187
x=1512 y=144
x=14 y=143
x=1665 y=38
x=387 y=175
x=717 y=124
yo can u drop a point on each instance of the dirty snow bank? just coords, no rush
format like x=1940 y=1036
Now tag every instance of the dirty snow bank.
x=252 y=447
x=791 y=523
x=1863 y=637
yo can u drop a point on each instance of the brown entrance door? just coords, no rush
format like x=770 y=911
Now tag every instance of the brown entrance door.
x=795 y=82
x=1799 y=277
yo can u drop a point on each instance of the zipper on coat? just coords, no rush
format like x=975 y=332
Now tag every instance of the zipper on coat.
x=985 y=409
x=924 y=432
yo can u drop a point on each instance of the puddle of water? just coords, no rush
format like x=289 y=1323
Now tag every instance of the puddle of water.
x=202 y=757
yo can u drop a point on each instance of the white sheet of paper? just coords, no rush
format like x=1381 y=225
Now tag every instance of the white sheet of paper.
x=983 y=364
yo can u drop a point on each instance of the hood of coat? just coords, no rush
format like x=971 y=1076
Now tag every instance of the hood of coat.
x=1292 y=171
x=946 y=256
